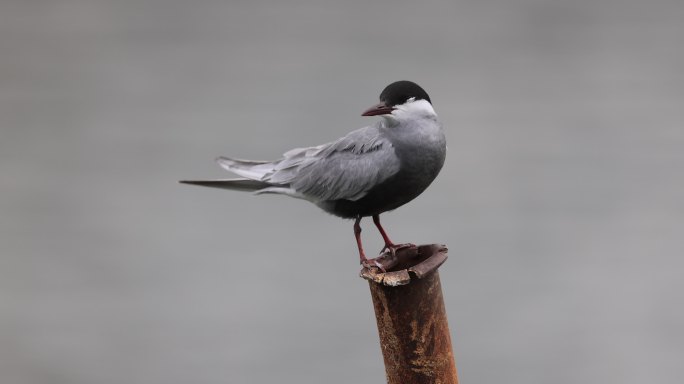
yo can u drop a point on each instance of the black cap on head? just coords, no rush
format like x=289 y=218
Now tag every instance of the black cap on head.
x=398 y=92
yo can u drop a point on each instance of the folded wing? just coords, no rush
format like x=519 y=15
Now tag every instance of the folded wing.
x=345 y=169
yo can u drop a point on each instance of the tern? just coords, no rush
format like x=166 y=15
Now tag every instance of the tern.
x=369 y=171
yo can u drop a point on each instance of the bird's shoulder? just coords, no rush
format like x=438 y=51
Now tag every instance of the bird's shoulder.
x=358 y=142
x=361 y=141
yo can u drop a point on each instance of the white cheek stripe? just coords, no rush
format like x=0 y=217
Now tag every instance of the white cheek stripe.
x=414 y=108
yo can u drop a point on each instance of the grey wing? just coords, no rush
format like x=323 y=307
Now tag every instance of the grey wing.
x=344 y=169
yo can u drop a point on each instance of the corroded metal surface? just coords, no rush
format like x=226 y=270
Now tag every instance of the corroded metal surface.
x=408 y=262
x=412 y=323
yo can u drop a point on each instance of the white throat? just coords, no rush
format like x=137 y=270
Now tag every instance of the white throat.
x=412 y=110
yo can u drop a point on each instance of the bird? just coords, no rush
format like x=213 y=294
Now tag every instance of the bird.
x=371 y=170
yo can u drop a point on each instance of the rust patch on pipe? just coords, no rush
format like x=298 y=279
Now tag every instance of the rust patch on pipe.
x=411 y=318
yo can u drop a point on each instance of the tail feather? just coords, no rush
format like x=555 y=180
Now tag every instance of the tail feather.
x=251 y=169
x=234 y=184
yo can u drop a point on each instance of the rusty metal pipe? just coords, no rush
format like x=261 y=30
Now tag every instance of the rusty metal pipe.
x=412 y=322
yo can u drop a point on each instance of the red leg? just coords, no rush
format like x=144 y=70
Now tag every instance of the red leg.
x=365 y=262
x=388 y=243
x=357 y=234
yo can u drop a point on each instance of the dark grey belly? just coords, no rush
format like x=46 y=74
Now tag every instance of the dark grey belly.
x=385 y=197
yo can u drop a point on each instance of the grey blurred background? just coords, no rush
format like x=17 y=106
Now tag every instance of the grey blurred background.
x=561 y=200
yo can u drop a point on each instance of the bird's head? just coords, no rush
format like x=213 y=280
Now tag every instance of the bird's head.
x=402 y=98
